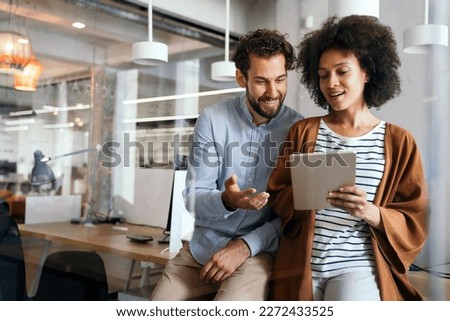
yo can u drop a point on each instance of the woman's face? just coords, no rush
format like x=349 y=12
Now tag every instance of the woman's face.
x=341 y=79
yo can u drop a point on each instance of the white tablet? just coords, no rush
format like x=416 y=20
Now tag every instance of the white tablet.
x=315 y=174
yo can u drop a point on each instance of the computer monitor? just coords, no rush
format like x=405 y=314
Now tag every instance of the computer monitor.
x=166 y=233
x=179 y=163
x=149 y=202
x=7 y=167
x=52 y=208
x=181 y=222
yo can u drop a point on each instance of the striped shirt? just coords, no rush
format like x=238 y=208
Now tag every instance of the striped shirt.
x=342 y=242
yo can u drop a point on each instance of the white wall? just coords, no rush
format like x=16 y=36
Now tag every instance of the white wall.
x=210 y=13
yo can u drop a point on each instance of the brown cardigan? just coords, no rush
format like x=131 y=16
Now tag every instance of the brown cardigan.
x=401 y=198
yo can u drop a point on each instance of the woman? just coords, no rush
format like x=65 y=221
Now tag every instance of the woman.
x=361 y=247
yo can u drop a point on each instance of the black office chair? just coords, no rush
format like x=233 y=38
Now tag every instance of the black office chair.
x=12 y=265
x=4 y=207
x=73 y=276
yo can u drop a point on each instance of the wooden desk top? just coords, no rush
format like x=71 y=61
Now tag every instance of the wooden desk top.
x=106 y=238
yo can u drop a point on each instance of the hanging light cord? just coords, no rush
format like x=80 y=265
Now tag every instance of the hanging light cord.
x=425 y=14
x=227 y=32
x=150 y=21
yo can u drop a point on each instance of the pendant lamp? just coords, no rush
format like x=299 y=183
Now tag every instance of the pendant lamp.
x=224 y=70
x=149 y=52
x=15 y=51
x=342 y=8
x=419 y=39
x=15 y=48
x=27 y=79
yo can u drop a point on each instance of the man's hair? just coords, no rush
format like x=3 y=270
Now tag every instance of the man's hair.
x=372 y=43
x=262 y=43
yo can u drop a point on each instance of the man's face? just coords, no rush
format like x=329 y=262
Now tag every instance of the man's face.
x=266 y=86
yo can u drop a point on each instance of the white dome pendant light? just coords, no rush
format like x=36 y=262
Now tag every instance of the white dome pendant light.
x=148 y=52
x=224 y=70
x=417 y=40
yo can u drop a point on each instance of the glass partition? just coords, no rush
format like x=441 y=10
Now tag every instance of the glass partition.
x=90 y=94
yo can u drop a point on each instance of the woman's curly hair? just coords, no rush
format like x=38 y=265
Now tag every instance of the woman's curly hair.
x=263 y=43
x=372 y=43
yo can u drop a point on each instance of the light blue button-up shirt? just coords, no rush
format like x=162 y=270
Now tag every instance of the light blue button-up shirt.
x=227 y=142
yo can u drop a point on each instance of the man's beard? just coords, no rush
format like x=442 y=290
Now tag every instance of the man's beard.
x=257 y=107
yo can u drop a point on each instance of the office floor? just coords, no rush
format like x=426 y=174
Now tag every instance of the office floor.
x=118 y=268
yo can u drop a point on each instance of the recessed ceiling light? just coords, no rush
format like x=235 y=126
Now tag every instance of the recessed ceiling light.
x=78 y=25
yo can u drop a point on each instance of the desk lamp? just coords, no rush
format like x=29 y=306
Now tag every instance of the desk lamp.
x=42 y=174
x=42 y=177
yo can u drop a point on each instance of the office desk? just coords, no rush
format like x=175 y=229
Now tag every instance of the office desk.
x=105 y=238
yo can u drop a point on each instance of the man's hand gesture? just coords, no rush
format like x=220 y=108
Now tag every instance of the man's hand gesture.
x=248 y=199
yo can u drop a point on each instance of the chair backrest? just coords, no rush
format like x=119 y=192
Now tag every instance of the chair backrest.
x=73 y=276
x=4 y=207
x=12 y=265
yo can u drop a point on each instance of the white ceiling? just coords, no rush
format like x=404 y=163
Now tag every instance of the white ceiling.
x=112 y=27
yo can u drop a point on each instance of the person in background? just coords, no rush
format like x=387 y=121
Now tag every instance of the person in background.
x=361 y=247
x=235 y=147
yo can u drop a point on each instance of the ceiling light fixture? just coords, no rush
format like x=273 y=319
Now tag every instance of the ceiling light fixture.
x=225 y=70
x=78 y=25
x=26 y=80
x=160 y=118
x=15 y=128
x=14 y=52
x=48 y=109
x=342 y=8
x=15 y=49
x=419 y=39
x=16 y=57
x=23 y=121
x=183 y=96
x=149 y=52
x=59 y=126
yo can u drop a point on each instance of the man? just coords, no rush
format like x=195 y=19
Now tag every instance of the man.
x=235 y=147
